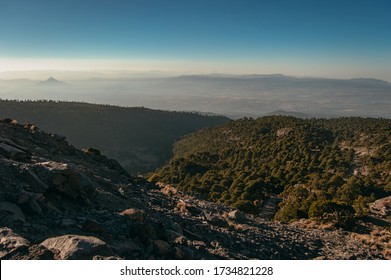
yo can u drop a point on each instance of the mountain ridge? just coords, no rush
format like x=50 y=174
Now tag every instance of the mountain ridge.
x=138 y=137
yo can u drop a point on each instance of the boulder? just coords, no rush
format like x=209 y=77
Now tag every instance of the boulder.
x=14 y=210
x=161 y=248
x=186 y=207
x=27 y=201
x=34 y=252
x=35 y=183
x=134 y=214
x=237 y=215
x=127 y=248
x=214 y=219
x=11 y=242
x=142 y=231
x=73 y=184
x=77 y=247
x=13 y=153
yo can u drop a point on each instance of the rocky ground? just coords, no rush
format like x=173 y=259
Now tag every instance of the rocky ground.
x=57 y=202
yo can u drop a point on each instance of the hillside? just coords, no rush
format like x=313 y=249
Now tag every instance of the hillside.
x=140 y=139
x=57 y=202
x=316 y=166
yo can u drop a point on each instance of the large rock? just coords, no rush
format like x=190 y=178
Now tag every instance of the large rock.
x=382 y=206
x=13 y=153
x=237 y=215
x=142 y=231
x=34 y=252
x=14 y=210
x=27 y=201
x=11 y=242
x=73 y=184
x=77 y=247
x=35 y=183
x=127 y=249
x=134 y=214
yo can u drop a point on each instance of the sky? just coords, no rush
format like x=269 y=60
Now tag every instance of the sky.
x=305 y=38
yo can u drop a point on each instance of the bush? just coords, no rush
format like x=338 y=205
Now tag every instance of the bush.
x=245 y=206
x=329 y=211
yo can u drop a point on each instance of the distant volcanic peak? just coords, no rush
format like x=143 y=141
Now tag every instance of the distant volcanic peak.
x=52 y=81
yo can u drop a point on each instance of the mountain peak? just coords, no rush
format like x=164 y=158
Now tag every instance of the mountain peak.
x=52 y=81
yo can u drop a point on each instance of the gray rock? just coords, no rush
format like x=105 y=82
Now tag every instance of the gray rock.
x=10 y=242
x=13 y=153
x=74 y=185
x=142 y=231
x=34 y=252
x=134 y=214
x=77 y=247
x=27 y=201
x=237 y=215
x=36 y=184
x=127 y=248
x=14 y=210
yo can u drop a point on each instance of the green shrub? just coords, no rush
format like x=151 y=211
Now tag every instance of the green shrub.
x=329 y=211
x=245 y=206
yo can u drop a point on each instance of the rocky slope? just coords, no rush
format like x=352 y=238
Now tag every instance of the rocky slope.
x=57 y=202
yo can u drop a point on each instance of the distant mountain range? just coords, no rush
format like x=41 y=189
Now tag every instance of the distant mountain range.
x=288 y=113
x=234 y=96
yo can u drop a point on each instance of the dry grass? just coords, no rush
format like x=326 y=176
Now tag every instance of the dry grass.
x=377 y=239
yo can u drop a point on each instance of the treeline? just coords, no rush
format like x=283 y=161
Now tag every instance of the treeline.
x=315 y=165
x=140 y=139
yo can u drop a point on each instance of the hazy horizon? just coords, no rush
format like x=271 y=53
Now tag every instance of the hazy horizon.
x=234 y=96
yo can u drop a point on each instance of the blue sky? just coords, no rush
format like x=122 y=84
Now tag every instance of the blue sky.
x=321 y=38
